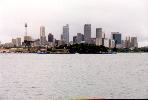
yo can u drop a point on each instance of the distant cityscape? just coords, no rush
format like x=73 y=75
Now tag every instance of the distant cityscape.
x=115 y=41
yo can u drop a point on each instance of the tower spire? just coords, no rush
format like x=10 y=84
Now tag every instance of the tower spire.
x=26 y=29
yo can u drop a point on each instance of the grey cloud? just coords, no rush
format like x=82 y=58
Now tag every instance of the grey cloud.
x=130 y=17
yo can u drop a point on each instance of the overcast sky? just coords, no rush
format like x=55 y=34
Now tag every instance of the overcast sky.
x=130 y=17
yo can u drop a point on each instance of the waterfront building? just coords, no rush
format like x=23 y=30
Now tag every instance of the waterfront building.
x=8 y=45
x=99 y=33
x=87 y=33
x=65 y=35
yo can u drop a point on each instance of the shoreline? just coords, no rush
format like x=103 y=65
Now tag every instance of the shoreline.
x=76 y=53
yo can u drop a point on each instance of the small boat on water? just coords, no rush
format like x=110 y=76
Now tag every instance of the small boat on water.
x=76 y=53
x=39 y=52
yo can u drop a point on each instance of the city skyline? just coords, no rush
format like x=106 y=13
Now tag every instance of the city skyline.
x=131 y=19
x=99 y=39
x=115 y=40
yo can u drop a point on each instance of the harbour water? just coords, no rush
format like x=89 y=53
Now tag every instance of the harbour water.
x=64 y=77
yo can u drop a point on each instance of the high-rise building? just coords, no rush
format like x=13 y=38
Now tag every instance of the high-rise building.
x=99 y=33
x=36 y=43
x=123 y=43
x=83 y=37
x=116 y=36
x=87 y=33
x=105 y=42
x=65 y=36
x=61 y=37
x=92 y=41
x=80 y=38
x=74 y=39
x=50 y=37
x=99 y=41
x=18 y=42
x=128 y=42
x=42 y=36
x=42 y=31
x=111 y=43
x=134 y=42
x=14 y=42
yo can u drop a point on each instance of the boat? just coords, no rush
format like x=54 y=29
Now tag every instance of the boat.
x=39 y=52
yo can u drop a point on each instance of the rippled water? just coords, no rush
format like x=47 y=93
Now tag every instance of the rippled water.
x=62 y=77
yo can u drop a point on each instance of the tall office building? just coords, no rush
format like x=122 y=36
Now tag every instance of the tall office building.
x=99 y=33
x=14 y=42
x=80 y=38
x=61 y=37
x=87 y=33
x=134 y=42
x=36 y=43
x=42 y=36
x=116 y=36
x=128 y=42
x=50 y=37
x=65 y=36
x=111 y=43
x=74 y=39
x=42 y=31
x=18 y=42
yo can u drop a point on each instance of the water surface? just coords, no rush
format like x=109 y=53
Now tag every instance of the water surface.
x=62 y=77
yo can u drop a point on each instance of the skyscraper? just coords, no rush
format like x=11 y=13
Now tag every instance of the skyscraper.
x=50 y=37
x=18 y=42
x=117 y=37
x=74 y=39
x=42 y=36
x=79 y=38
x=65 y=36
x=14 y=42
x=134 y=42
x=87 y=33
x=99 y=33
